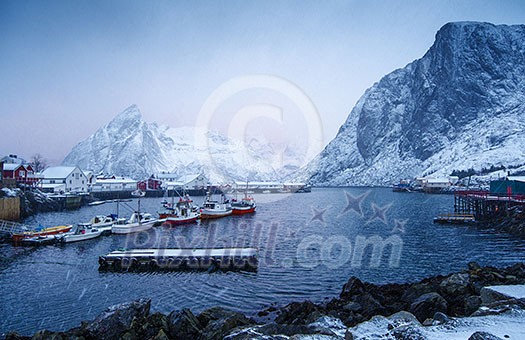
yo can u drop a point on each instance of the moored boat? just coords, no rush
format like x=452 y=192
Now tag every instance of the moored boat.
x=214 y=209
x=181 y=213
x=245 y=206
x=102 y=223
x=41 y=231
x=80 y=233
x=137 y=222
x=38 y=240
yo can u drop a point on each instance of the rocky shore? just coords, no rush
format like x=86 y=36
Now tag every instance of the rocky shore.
x=512 y=222
x=403 y=310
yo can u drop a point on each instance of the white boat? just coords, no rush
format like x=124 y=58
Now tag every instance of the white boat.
x=214 y=209
x=101 y=222
x=81 y=233
x=137 y=222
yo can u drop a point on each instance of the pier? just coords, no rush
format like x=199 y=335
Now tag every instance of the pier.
x=181 y=259
x=483 y=204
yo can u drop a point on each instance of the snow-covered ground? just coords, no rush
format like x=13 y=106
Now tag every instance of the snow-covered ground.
x=509 y=325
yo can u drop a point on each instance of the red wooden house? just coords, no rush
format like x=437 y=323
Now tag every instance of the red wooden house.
x=22 y=173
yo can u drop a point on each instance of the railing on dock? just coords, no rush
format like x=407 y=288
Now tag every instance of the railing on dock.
x=10 y=227
x=483 y=204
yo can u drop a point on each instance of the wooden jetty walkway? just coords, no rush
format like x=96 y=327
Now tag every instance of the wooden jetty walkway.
x=455 y=218
x=482 y=204
x=181 y=259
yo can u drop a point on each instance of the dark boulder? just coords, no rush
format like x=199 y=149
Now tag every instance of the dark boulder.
x=484 y=336
x=183 y=325
x=427 y=305
x=218 y=322
x=354 y=286
x=116 y=321
x=416 y=290
x=16 y=336
x=471 y=304
x=299 y=313
x=454 y=285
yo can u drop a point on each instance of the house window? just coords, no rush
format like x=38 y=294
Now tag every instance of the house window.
x=77 y=176
x=82 y=181
x=70 y=182
x=22 y=173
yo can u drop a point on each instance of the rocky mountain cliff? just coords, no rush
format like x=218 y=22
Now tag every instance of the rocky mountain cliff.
x=461 y=106
x=130 y=146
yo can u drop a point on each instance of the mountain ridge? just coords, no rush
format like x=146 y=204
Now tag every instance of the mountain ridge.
x=430 y=116
x=129 y=146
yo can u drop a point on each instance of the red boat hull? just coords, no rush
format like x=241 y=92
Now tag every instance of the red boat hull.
x=179 y=222
x=240 y=211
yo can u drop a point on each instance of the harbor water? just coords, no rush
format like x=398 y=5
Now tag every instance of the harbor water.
x=309 y=245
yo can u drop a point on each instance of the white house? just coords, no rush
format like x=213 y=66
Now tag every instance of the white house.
x=190 y=182
x=114 y=184
x=64 y=179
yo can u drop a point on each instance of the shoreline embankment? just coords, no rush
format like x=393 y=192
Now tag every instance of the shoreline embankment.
x=432 y=301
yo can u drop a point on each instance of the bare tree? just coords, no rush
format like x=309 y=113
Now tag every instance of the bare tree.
x=38 y=162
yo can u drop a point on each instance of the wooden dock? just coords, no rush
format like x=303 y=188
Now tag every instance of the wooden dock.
x=483 y=204
x=455 y=218
x=181 y=259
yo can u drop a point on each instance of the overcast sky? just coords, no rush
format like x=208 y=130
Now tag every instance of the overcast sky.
x=68 y=67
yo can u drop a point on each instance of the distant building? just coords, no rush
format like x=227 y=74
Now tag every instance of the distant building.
x=22 y=174
x=114 y=184
x=150 y=184
x=189 y=182
x=12 y=159
x=512 y=185
x=60 y=179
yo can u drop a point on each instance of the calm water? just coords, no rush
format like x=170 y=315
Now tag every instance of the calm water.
x=305 y=253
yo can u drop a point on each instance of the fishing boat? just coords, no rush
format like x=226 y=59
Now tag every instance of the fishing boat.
x=80 y=233
x=41 y=231
x=137 y=222
x=214 y=209
x=180 y=213
x=245 y=206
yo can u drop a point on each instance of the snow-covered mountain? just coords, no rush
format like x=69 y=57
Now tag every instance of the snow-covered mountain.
x=461 y=106
x=129 y=146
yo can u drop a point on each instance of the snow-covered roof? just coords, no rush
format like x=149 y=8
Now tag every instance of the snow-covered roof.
x=11 y=166
x=188 y=178
x=115 y=181
x=511 y=178
x=58 y=171
x=12 y=159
